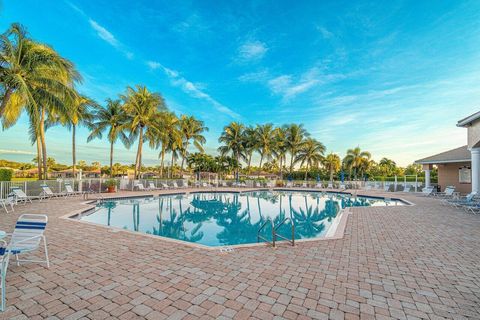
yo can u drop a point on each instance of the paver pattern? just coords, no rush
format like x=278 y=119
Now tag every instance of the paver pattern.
x=405 y=262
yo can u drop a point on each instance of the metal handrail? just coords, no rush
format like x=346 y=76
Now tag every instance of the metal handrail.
x=259 y=237
x=275 y=234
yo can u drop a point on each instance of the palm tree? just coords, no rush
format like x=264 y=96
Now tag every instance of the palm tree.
x=265 y=139
x=250 y=144
x=232 y=138
x=332 y=163
x=142 y=107
x=355 y=158
x=280 y=148
x=191 y=129
x=311 y=154
x=295 y=135
x=111 y=118
x=79 y=113
x=36 y=78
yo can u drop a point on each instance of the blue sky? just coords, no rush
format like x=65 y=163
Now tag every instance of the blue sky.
x=392 y=77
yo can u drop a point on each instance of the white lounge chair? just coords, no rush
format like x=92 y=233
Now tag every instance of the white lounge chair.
x=407 y=189
x=47 y=193
x=20 y=196
x=9 y=201
x=151 y=186
x=448 y=193
x=289 y=184
x=4 y=260
x=342 y=187
x=27 y=237
x=140 y=187
x=69 y=190
x=386 y=188
x=427 y=191
x=330 y=185
x=304 y=185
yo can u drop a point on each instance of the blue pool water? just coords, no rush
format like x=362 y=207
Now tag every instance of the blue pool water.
x=218 y=219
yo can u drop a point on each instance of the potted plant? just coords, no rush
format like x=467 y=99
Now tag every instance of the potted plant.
x=111 y=184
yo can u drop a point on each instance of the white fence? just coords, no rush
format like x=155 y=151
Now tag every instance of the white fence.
x=33 y=188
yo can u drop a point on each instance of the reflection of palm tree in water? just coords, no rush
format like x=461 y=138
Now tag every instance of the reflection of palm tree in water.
x=109 y=205
x=308 y=221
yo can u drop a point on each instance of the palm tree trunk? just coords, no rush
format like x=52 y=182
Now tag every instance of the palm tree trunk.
x=281 y=168
x=44 y=144
x=162 y=158
x=291 y=162
x=5 y=100
x=139 y=152
x=39 y=157
x=260 y=168
x=74 y=156
x=111 y=159
x=249 y=161
x=171 y=165
x=306 y=172
x=331 y=174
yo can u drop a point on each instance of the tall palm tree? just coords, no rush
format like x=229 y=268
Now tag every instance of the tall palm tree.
x=250 y=145
x=142 y=107
x=265 y=142
x=191 y=130
x=111 y=118
x=311 y=154
x=355 y=158
x=164 y=130
x=232 y=138
x=36 y=78
x=79 y=113
x=332 y=163
x=280 y=148
x=295 y=134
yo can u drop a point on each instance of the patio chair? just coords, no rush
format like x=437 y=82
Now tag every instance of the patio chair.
x=164 y=185
x=151 y=186
x=448 y=193
x=468 y=200
x=330 y=185
x=21 y=196
x=28 y=236
x=47 y=193
x=4 y=260
x=427 y=191
x=407 y=189
x=386 y=188
x=184 y=184
x=342 y=187
x=139 y=186
x=9 y=201
x=289 y=184
x=69 y=191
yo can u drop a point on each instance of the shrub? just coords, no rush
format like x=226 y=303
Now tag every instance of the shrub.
x=6 y=174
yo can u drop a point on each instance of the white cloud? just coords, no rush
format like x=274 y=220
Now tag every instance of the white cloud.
x=104 y=33
x=153 y=65
x=192 y=89
x=252 y=50
x=8 y=151
x=325 y=33
x=288 y=87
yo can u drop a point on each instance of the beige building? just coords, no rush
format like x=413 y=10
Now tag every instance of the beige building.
x=459 y=167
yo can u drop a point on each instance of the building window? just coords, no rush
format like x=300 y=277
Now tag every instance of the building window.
x=465 y=175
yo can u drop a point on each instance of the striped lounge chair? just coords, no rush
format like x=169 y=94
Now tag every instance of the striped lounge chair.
x=4 y=259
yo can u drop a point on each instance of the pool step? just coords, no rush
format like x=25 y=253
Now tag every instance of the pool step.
x=275 y=234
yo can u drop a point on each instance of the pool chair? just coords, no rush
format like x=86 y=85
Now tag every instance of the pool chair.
x=28 y=236
x=427 y=191
x=4 y=260
x=70 y=192
x=184 y=184
x=47 y=193
x=407 y=189
x=468 y=200
x=330 y=185
x=386 y=188
x=175 y=185
x=9 y=201
x=20 y=196
x=448 y=193
x=342 y=187
x=140 y=187
x=289 y=184
x=164 y=185
x=224 y=184
x=368 y=187
x=151 y=186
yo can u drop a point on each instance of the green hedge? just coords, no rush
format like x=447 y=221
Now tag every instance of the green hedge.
x=6 y=174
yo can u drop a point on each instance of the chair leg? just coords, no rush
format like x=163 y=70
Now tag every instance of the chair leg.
x=16 y=258
x=46 y=252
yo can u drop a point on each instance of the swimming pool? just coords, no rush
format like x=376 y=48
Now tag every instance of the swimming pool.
x=227 y=218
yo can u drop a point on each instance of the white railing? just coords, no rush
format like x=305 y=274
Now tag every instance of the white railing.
x=98 y=185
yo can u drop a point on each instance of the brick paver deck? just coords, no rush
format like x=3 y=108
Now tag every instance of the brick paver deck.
x=410 y=262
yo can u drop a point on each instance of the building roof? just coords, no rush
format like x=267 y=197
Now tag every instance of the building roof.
x=461 y=154
x=465 y=122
